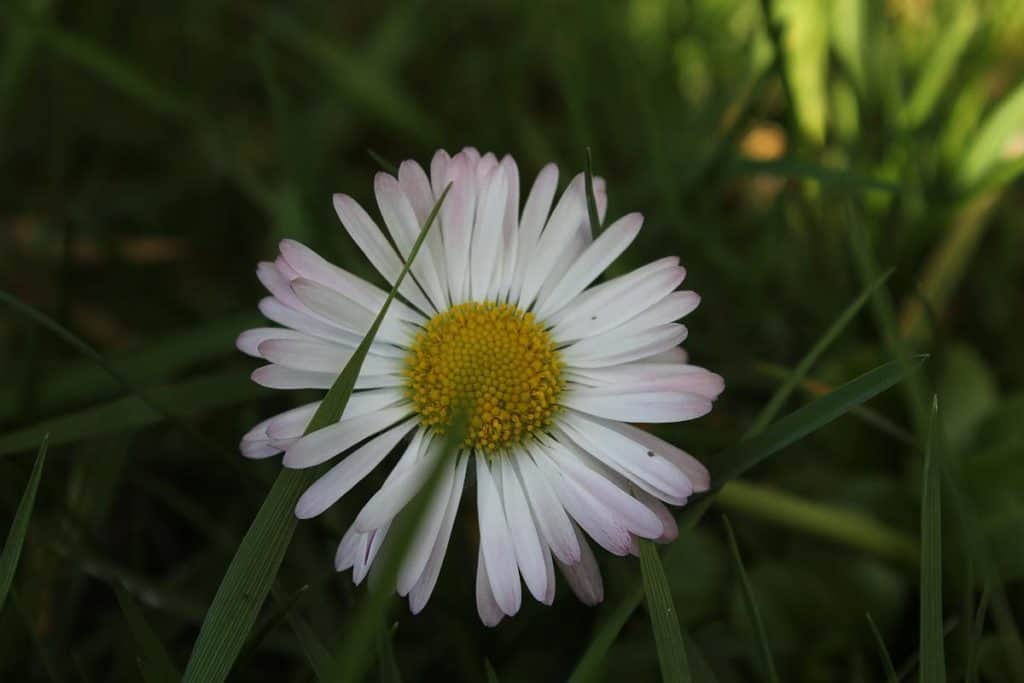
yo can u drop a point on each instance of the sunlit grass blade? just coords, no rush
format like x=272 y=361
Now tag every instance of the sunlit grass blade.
x=170 y=403
x=778 y=399
x=883 y=652
x=16 y=536
x=252 y=571
x=805 y=170
x=154 y=662
x=746 y=454
x=592 y=213
x=832 y=523
x=933 y=659
x=940 y=66
x=988 y=144
x=668 y=636
x=356 y=655
x=764 y=649
x=737 y=460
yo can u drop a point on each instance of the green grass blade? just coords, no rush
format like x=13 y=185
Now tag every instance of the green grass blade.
x=16 y=536
x=492 y=675
x=767 y=663
x=974 y=643
x=941 y=65
x=176 y=401
x=389 y=671
x=986 y=147
x=151 y=656
x=355 y=656
x=325 y=666
x=804 y=170
x=883 y=653
x=244 y=588
x=737 y=460
x=668 y=637
x=933 y=660
x=699 y=667
x=592 y=213
x=774 y=405
x=268 y=623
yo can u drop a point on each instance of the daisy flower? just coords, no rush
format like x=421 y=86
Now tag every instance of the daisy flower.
x=500 y=314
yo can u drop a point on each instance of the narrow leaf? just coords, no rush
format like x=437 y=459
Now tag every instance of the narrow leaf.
x=668 y=637
x=154 y=662
x=252 y=571
x=16 y=536
x=592 y=212
x=804 y=170
x=325 y=666
x=492 y=675
x=388 y=669
x=883 y=653
x=933 y=662
x=767 y=663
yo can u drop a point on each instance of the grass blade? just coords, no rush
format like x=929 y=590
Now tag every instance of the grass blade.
x=668 y=636
x=933 y=661
x=325 y=666
x=249 y=577
x=771 y=409
x=492 y=675
x=804 y=170
x=16 y=536
x=767 y=663
x=883 y=653
x=151 y=656
x=388 y=669
x=737 y=460
x=592 y=213
x=974 y=644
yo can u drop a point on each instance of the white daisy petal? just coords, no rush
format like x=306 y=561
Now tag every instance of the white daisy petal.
x=339 y=480
x=510 y=233
x=552 y=520
x=647 y=376
x=311 y=324
x=320 y=356
x=534 y=216
x=598 y=256
x=349 y=315
x=371 y=241
x=323 y=444
x=487 y=607
x=638 y=406
x=562 y=226
x=417 y=189
x=695 y=471
x=487 y=233
x=496 y=541
x=416 y=556
x=622 y=346
x=248 y=342
x=584 y=577
x=396 y=493
x=525 y=539
x=421 y=592
x=457 y=224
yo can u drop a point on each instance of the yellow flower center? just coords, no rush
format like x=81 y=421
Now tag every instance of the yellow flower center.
x=495 y=360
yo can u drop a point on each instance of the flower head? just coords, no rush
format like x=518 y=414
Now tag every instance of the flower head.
x=500 y=317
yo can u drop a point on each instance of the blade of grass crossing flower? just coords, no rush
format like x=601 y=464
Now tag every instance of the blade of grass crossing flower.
x=355 y=656
x=668 y=637
x=592 y=212
x=154 y=663
x=764 y=649
x=737 y=460
x=771 y=409
x=19 y=528
x=249 y=577
x=883 y=652
x=933 y=660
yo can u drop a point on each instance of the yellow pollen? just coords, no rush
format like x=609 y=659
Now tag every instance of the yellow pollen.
x=493 y=358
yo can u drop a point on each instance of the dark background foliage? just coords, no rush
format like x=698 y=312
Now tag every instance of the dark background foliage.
x=154 y=152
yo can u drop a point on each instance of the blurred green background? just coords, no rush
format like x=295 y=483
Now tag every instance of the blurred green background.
x=787 y=150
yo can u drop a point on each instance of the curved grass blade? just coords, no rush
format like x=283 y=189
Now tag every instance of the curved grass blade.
x=248 y=579
x=883 y=652
x=154 y=663
x=325 y=666
x=767 y=663
x=389 y=671
x=933 y=661
x=668 y=637
x=778 y=399
x=16 y=536
x=492 y=675
x=592 y=213
x=738 y=460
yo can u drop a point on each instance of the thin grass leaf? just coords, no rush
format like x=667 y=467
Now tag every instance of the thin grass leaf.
x=592 y=212
x=170 y=403
x=839 y=525
x=384 y=164
x=778 y=399
x=940 y=66
x=805 y=170
x=325 y=666
x=248 y=579
x=268 y=623
x=993 y=137
x=355 y=656
x=388 y=669
x=668 y=637
x=764 y=649
x=933 y=659
x=735 y=461
x=154 y=663
x=738 y=460
x=883 y=652
x=699 y=667
x=492 y=675
x=16 y=536
x=974 y=643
